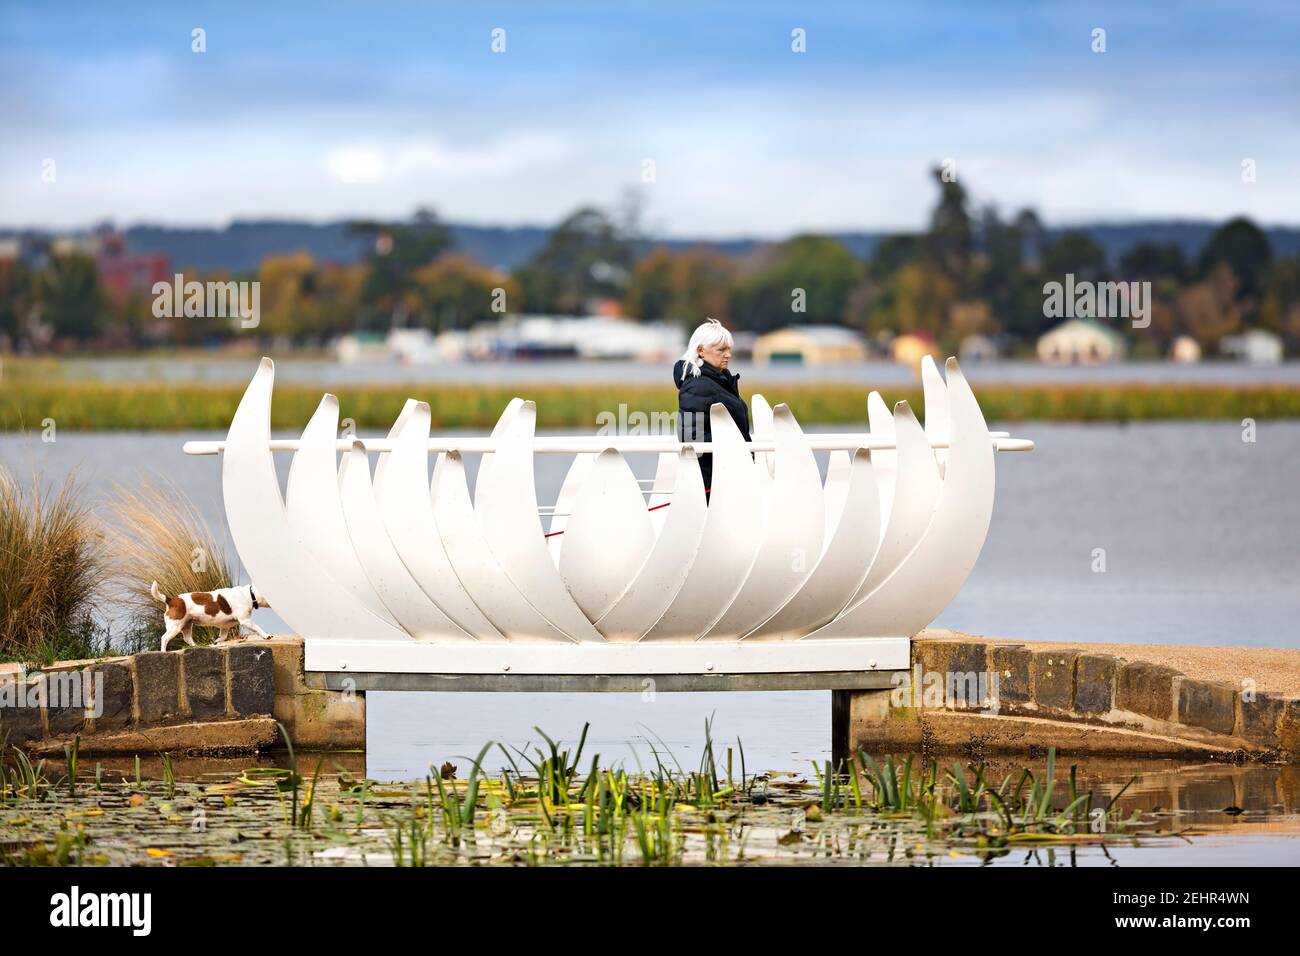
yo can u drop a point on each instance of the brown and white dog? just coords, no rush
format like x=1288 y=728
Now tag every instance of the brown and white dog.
x=225 y=608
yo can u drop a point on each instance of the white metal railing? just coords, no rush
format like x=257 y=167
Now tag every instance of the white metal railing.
x=582 y=444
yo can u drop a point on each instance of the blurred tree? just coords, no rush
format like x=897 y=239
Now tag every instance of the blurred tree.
x=863 y=302
x=916 y=298
x=1031 y=232
x=684 y=286
x=586 y=256
x=456 y=292
x=805 y=281
x=338 y=288
x=707 y=284
x=290 y=307
x=129 y=321
x=18 y=296
x=1280 y=309
x=893 y=252
x=1153 y=260
x=950 y=240
x=653 y=290
x=968 y=317
x=396 y=251
x=1209 y=310
x=1074 y=252
x=1244 y=248
x=71 y=297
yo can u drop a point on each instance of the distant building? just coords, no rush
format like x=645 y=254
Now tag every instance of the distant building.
x=521 y=337
x=910 y=348
x=977 y=348
x=121 y=273
x=744 y=343
x=810 y=345
x=413 y=346
x=1185 y=350
x=588 y=337
x=1256 y=346
x=1080 y=342
x=361 y=347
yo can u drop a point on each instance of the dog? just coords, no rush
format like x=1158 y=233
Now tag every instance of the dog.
x=225 y=608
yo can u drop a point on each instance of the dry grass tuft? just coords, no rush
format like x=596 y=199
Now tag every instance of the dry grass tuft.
x=52 y=570
x=157 y=534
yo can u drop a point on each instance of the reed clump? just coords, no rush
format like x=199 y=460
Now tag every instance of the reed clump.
x=156 y=533
x=52 y=572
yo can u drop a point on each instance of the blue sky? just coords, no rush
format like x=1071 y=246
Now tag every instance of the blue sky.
x=328 y=110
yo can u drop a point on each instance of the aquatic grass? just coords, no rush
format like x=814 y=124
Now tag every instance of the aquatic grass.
x=24 y=780
x=458 y=813
x=891 y=808
x=52 y=570
x=169 y=776
x=172 y=406
x=70 y=752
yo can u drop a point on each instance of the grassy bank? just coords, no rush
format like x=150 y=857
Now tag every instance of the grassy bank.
x=113 y=406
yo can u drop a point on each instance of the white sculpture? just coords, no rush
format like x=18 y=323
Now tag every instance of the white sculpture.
x=779 y=573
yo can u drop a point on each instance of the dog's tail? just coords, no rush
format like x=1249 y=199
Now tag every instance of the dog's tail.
x=157 y=593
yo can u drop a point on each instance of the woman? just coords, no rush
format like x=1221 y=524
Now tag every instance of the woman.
x=702 y=379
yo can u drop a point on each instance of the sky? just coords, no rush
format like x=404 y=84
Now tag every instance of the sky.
x=330 y=110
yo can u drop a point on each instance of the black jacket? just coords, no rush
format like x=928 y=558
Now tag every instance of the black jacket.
x=695 y=395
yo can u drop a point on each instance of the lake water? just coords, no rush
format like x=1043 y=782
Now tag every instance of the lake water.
x=1200 y=533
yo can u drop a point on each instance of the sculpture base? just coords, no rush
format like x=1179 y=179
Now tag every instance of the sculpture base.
x=702 y=658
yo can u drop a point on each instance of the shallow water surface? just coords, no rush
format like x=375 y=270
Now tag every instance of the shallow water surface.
x=224 y=812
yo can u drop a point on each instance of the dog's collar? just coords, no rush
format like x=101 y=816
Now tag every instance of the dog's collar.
x=253 y=596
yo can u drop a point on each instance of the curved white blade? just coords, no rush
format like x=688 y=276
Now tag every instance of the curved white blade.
x=839 y=472
x=884 y=462
x=315 y=511
x=933 y=574
x=565 y=502
x=486 y=581
x=761 y=429
x=662 y=489
x=792 y=542
x=499 y=429
x=843 y=564
x=418 y=615
x=507 y=511
x=938 y=423
x=402 y=494
x=916 y=492
x=733 y=530
x=609 y=535
x=278 y=564
x=665 y=570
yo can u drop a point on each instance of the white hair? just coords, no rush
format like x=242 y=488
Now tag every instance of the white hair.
x=711 y=332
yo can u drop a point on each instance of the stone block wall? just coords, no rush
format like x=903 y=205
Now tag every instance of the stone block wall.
x=186 y=693
x=1079 y=686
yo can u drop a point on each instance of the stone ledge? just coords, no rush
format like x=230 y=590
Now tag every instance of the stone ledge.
x=247 y=735
x=183 y=697
x=975 y=734
x=1137 y=692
